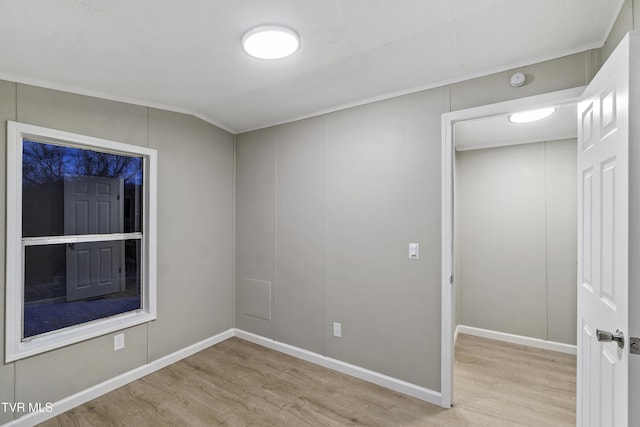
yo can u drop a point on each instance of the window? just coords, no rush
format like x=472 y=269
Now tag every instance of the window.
x=81 y=220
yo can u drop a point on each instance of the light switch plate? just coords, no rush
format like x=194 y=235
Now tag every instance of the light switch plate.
x=414 y=251
x=337 y=329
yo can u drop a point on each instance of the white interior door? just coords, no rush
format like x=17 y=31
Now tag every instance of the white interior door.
x=94 y=205
x=603 y=243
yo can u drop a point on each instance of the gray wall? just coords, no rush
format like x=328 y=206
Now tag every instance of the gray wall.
x=326 y=208
x=517 y=238
x=334 y=289
x=195 y=238
x=628 y=19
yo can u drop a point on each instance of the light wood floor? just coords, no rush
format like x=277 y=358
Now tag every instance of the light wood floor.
x=237 y=383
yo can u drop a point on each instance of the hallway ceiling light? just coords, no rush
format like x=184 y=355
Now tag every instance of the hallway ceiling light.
x=531 y=116
x=270 y=42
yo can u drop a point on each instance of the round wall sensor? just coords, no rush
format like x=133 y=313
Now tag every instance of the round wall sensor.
x=518 y=79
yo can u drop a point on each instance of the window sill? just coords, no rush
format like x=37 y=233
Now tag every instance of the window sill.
x=72 y=335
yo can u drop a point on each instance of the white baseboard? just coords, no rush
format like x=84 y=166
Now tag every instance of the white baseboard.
x=98 y=390
x=516 y=339
x=391 y=383
x=105 y=387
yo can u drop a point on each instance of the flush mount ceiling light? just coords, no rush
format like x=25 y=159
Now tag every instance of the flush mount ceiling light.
x=531 y=116
x=270 y=42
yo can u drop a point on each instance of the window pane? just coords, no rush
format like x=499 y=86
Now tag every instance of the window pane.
x=70 y=284
x=68 y=191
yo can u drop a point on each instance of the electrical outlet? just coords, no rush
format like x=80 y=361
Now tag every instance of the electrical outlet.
x=337 y=329
x=118 y=341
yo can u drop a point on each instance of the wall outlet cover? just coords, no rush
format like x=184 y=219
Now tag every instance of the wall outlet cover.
x=118 y=342
x=337 y=329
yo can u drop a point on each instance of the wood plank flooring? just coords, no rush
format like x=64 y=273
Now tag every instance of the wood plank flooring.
x=237 y=383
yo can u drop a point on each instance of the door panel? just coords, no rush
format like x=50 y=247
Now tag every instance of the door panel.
x=603 y=224
x=93 y=205
x=607 y=242
x=587 y=229
x=83 y=268
x=106 y=262
x=584 y=375
x=607 y=388
x=80 y=213
x=586 y=127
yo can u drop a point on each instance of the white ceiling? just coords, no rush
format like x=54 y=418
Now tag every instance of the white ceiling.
x=498 y=131
x=185 y=55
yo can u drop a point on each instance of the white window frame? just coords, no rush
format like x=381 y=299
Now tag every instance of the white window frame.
x=17 y=348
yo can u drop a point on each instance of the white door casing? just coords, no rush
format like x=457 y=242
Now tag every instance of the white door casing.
x=603 y=242
x=563 y=97
x=94 y=205
x=603 y=394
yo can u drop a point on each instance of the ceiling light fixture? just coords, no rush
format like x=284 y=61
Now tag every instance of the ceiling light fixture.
x=270 y=42
x=531 y=116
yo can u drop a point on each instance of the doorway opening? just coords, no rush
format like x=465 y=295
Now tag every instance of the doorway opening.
x=479 y=128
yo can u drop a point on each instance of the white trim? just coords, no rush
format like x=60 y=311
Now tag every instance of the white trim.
x=517 y=339
x=421 y=88
x=15 y=347
x=386 y=381
x=391 y=383
x=73 y=334
x=150 y=230
x=110 y=97
x=13 y=242
x=83 y=238
x=448 y=268
x=118 y=98
x=98 y=390
x=70 y=139
x=121 y=380
x=455 y=335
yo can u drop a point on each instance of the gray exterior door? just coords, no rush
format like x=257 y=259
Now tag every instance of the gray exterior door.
x=94 y=205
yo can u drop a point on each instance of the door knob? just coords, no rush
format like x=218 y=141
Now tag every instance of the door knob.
x=606 y=336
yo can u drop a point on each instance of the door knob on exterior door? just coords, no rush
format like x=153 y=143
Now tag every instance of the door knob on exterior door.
x=606 y=336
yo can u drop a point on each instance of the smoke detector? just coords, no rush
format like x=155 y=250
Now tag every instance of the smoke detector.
x=518 y=79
